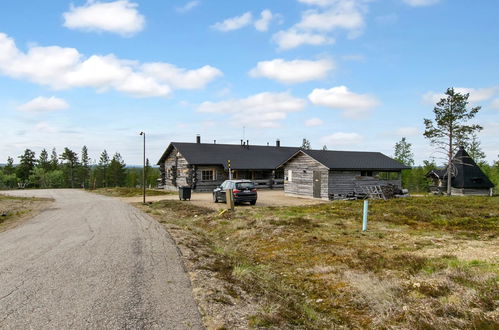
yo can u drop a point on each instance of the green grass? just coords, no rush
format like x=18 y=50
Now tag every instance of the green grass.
x=311 y=266
x=130 y=192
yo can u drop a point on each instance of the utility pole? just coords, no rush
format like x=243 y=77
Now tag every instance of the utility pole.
x=144 y=169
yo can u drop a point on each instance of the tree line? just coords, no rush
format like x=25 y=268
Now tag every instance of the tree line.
x=72 y=170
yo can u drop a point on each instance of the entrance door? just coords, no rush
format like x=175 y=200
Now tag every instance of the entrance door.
x=317 y=184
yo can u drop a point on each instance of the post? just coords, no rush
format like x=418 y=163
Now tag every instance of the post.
x=364 y=219
x=144 y=170
x=230 y=171
x=229 y=197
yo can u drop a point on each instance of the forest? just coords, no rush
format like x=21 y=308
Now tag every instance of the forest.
x=72 y=170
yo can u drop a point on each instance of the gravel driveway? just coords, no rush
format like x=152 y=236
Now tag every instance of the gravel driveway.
x=93 y=262
x=265 y=198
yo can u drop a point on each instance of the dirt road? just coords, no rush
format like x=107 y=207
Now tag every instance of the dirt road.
x=92 y=262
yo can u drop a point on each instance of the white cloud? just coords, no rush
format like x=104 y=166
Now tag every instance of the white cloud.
x=265 y=18
x=188 y=6
x=293 y=38
x=44 y=104
x=264 y=110
x=342 y=139
x=495 y=104
x=353 y=105
x=182 y=78
x=421 y=3
x=316 y=24
x=313 y=122
x=121 y=17
x=64 y=68
x=407 y=131
x=290 y=72
x=476 y=94
x=44 y=127
x=234 y=23
x=345 y=15
x=320 y=3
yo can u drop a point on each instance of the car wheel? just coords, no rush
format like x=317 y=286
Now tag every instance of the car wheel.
x=215 y=199
x=253 y=202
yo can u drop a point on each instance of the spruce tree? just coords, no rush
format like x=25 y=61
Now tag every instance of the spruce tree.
x=71 y=165
x=103 y=169
x=117 y=171
x=43 y=161
x=54 y=160
x=26 y=165
x=85 y=167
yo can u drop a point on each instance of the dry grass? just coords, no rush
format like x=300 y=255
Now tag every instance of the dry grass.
x=311 y=267
x=130 y=192
x=14 y=210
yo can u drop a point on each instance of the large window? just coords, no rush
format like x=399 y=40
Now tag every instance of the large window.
x=207 y=175
x=366 y=173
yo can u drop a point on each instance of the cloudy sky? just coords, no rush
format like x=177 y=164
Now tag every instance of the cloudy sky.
x=349 y=74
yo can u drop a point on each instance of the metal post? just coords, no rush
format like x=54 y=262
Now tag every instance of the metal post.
x=364 y=220
x=230 y=171
x=144 y=169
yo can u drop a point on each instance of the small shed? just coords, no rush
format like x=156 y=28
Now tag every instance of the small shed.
x=467 y=177
x=328 y=174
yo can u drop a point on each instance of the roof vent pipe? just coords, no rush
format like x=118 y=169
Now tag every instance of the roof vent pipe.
x=198 y=138
x=214 y=141
x=247 y=143
x=278 y=143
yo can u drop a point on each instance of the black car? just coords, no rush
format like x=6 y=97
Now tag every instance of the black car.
x=242 y=190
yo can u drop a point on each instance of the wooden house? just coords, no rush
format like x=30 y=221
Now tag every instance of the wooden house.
x=204 y=166
x=467 y=177
x=336 y=174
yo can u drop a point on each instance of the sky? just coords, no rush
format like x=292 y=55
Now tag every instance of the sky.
x=348 y=74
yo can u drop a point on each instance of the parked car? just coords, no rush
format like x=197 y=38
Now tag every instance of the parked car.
x=242 y=190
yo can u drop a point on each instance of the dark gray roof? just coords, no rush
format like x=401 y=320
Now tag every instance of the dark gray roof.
x=271 y=157
x=241 y=157
x=355 y=160
x=467 y=173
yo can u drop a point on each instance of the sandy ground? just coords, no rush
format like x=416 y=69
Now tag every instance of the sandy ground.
x=92 y=262
x=265 y=198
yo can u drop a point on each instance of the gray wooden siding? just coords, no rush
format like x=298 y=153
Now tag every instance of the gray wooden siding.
x=301 y=184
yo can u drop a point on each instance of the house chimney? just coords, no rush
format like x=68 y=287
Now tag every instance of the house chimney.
x=267 y=144
x=241 y=142
x=198 y=138
x=214 y=141
x=247 y=143
x=278 y=143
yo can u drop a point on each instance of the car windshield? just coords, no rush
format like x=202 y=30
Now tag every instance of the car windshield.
x=245 y=185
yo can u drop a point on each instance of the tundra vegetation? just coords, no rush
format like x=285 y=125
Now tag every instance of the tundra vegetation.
x=425 y=263
x=70 y=170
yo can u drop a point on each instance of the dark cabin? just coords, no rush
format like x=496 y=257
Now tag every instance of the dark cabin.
x=204 y=166
x=330 y=174
x=467 y=177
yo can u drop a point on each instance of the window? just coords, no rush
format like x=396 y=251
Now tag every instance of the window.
x=366 y=173
x=245 y=185
x=290 y=175
x=207 y=175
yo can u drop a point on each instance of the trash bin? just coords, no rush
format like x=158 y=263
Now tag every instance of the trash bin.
x=184 y=193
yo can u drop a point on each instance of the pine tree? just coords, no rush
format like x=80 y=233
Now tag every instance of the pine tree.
x=54 y=160
x=85 y=167
x=26 y=165
x=117 y=171
x=306 y=144
x=102 y=170
x=43 y=161
x=71 y=165
x=474 y=149
x=9 y=169
x=403 y=152
x=449 y=130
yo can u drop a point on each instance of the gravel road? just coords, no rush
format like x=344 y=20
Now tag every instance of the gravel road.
x=92 y=262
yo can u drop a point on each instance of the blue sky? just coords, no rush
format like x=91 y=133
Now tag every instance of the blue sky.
x=349 y=74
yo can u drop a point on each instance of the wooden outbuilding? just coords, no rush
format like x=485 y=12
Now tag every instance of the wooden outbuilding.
x=338 y=174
